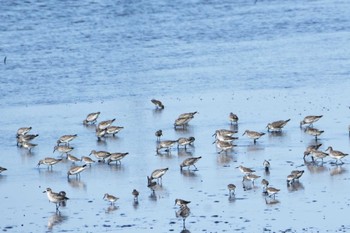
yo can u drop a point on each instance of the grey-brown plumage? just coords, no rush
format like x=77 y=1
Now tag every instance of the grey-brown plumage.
x=233 y=118
x=158 y=174
x=309 y=120
x=25 y=138
x=100 y=155
x=181 y=202
x=335 y=154
x=310 y=148
x=183 y=212
x=158 y=134
x=113 y=130
x=271 y=191
x=105 y=124
x=66 y=139
x=167 y=144
x=253 y=134
x=190 y=162
x=157 y=103
x=2 y=169
x=231 y=189
x=277 y=125
x=76 y=170
x=91 y=118
x=316 y=154
x=49 y=162
x=64 y=149
x=185 y=141
x=57 y=198
x=313 y=132
x=135 y=193
x=23 y=131
x=116 y=157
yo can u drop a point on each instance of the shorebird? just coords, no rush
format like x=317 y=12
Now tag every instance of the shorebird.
x=297 y=174
x=64 y=149
x=100 y=133
x=158 y=174
x=187 y=115
x=224 y=138
x=87 y=160
x=266 y=165
x=116 y=157
x=310 y=148
x=313 y=132
x=337 y=155
x=245 y=170
x=49 y=162
x=151 y=184
x=290 y=178
x=57 y=198
x=265 y=184
x=271 y=191
x=100 y=155
x=183 y=212
x=112 y=199
x=190 y=162
x=181 y=202
x=2 y=169
x=91 y=118
x=76 y=170
x=72 y=158
x=157 y=103
x=23 y=131
x=224 y=132
x=25 y=138
x=277 y=125
x=135 y=193
x=29 y=146
x=166 y=144
x=252 y=177
x=182 y=122
x=231 y=189
x=253 y=135
x=309 y=120
x=66 y=139
x=158 y=134
x=113 y=130
x=316 y=154
x=105 y=124
x=233 y=118
x=185 y=141
x=223 y=146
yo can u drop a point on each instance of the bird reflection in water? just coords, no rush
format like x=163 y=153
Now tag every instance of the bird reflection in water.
x=185 y=231
x=188 y=173
x=181 y=152
x=337 y=170
x=314 y=168
x=295 y=186
x=270 y=201
x=56 y=219
x=77 y=184
x=111 y=208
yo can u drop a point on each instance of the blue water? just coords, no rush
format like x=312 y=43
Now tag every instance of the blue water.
x=81 y=51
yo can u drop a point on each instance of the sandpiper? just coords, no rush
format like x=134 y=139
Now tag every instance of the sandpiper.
x=224 y=132
x=2 y=169
x=91 y=118
x=29 y=146
x=313 y=132
x=252 y=177
x=158 y=174
x=190 y=162
x=265 y=184
x=309 y=120
x=66 y=139
x=100 y=155
x=231 y=189
x=151 y=184
x=57 y=198
x=112 y=199
x=310 y=148
x=337 y=155
x=297 y=174
x=182 y=122
x=64 y=149
x=185 y=141
x=277 y=125
x=187 y=115
x=290 y=178
x=271 y=191
x=158 y=134
x=116 y=157
x=224 y=138
x=23 y=130
x=72 y=158
x=233 y=118
x=223 y=146
x=87 y=160
x=25 y=138
x=266 y=165
x=181 y=202
x=76 y=170
x=157 y=103
x=245 y=170
x=113 y=130
x=166 y=144
x=317 y=154
x=105 y=124
x=100 y=133
x=183 y=212
x=253 y=135
x=135 y=193
x=49 y=162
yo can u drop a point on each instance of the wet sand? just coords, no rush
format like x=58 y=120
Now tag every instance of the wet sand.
x=317 y=203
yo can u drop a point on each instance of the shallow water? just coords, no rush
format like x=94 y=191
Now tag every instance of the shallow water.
x=66 y=60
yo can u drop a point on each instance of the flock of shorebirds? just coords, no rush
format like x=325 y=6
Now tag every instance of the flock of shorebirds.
x=224 y=140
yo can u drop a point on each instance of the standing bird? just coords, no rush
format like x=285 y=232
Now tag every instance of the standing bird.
x=157 y=103
x=112 y=199
x=313 y=132
x=310 y=148
x=189 y=162
x=72 y=158
x=277 y=125
x=23 y=131
x=91 y=118
x=135 y=193
x=317 y=154
x=116 y=157
x=57 y=198
x=181 y=202
x=266 y=165
x=271 y=191
x=231 y=189
x=76 y=170
x=100 y=155
x=245 y=170
x=265 y=184
x=183 y=212
x=182 y=121
x=87 y=160
x=233 y=118
x=2 y=169
x=25 y=138
x=29 y=146
x=166 y=144
x=158 y=134
x=158 y=174
x=105 y=124
x=223 y=146
x=309 y=120
x=337 y=155
x=113 y=130
x=297 y=174
x=49 y=162
x=185 y=141
x=252 y=177
x=66 y=139
x=64 y=149
x=253 y=135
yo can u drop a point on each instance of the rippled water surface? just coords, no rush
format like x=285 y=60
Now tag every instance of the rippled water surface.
x=267 y=61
